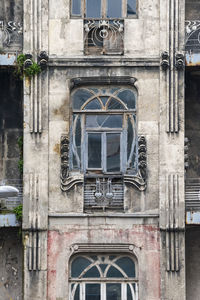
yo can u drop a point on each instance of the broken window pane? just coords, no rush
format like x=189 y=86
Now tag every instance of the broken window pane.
x=113 y=152
x=131 y=7
x=114 y=8
x=94 y=150
x=76 y=7
x=93 y=8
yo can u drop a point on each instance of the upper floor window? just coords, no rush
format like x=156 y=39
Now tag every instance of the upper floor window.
x=103 y=277
x=103 y=8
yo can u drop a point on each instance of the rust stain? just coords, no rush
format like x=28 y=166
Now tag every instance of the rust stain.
x=57 y=148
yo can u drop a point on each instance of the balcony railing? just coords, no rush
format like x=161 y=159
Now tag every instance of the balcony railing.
x=192 y=194
x=11 y=202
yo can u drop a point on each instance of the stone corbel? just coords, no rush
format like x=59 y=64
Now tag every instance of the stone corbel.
x=164 y=60
x=139 y=180
x=67 y=181
x=43 y=60
x=179 y=61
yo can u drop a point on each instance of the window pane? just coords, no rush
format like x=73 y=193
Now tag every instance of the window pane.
x=114 y=104
x=131 y=7
x=129 y=293
x=93 y=8
x=93 y=292
x=76 y=296
x=114 y=8
x=113 y=291
x=94 y=150
x=114 y=273
x=92 y=273
x=128 y=97
x=94 y=104
x=79 y=98
x=113 y=152
x=127 y=265
x=104 y=121
x=76 y=7
x=78 y=265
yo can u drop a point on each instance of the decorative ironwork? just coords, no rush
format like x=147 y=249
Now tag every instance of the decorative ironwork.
x=104 y=36
x=192 y=36
x=10 y=32
x=179 y=63
x=165 y=60
x=103 y=193
x=186 y=155
x=192 y=194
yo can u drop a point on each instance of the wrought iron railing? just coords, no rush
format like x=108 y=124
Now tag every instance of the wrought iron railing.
x=192 y=41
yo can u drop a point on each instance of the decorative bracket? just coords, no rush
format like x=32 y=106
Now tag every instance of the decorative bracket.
x=179 y=61
x=139 y=180
x=43 y=60
x=165 y=60
x=67 y=182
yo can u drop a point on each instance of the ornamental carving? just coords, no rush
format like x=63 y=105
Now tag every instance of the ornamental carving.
x=165 y=60
x=179 y=61
x=43 y=60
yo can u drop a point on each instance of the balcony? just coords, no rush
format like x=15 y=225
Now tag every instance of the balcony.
x=192 y=43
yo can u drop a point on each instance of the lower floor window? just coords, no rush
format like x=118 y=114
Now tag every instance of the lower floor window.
x=103 y=277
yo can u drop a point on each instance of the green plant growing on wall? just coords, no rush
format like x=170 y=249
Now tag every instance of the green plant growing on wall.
x=26 y=69
x=18 y=211
x=20 y=162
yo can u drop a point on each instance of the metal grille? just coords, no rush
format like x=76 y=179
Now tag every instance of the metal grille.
x=192 y=194
x=12 y=202
x=103 y=193
x=192 y=36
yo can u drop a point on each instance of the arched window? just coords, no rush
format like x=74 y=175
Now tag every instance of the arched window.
x=104 y=130
x=103 y=277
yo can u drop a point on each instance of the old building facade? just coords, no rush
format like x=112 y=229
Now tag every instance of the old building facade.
x=103 y=147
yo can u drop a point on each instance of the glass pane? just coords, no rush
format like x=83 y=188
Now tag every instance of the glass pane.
x=113 y=291
x=114 y=104
x=94 y=150
x=128 y=97
x=79 y=98
x=114 y=273
x=76 y=7
x=103 y=267
x=129 y=138
x=77 y=293
x=131 y=7
x=92 y=273
x=104 y=99
x=93 y=8
x=93 y=291
x=129 y=293
x=127 y=265
x=109 y=121
x=94 y=104
x=114 y=8
x=78 y=265
x=113 y=152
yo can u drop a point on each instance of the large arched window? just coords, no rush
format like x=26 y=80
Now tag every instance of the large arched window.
x=103 y=277
x=103 y=135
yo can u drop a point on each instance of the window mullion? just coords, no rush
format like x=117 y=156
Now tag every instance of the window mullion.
x=82 y=291
x=124 y=291
x=103 y=8
x=103 y=291
x=104 y=152
x=124 y=8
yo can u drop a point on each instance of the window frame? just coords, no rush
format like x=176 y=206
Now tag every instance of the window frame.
x=124 y=281
x=124 y=14
x=127 y=114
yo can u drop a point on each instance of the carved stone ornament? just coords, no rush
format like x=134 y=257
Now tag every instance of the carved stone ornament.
x=165 y=60
x=102 y=248
x=67 y=182
x=118 y=80
x=43 y=60
x=139 y=180
x=179 y=64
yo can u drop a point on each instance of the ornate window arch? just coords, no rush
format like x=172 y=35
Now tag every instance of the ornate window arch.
x=103 y=277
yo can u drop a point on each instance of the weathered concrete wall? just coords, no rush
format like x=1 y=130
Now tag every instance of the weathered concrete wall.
x=192 y=8
x=145 y=239
x=192 y=263
x=10 y=264
x=68 y=32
